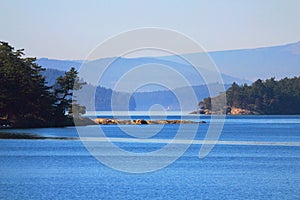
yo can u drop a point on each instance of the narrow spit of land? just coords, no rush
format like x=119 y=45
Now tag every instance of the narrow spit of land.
x=108 y=121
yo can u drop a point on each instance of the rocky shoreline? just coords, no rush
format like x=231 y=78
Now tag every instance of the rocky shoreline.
x=228 y=110
x=104 y=121
x=107 y=121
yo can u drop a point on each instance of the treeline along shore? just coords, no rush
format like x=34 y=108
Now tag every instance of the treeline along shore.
x=269 y=97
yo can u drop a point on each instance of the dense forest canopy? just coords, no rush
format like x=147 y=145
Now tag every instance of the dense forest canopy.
x=26 y=100
x=263 y=97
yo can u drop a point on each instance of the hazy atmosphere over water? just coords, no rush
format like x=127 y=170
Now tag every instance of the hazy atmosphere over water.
x=123 y=102
x=66 y=29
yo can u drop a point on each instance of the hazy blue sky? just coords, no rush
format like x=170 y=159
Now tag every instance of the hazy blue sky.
x=70 y=29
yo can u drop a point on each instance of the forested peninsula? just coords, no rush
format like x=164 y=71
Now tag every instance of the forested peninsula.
x=25 y=99
x=269 y=97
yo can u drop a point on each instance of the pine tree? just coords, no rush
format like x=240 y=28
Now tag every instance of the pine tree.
x=24 y=94
x=25 y=98
x=64 y=91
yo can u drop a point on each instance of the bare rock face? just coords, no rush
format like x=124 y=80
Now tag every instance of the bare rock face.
x=239 y=111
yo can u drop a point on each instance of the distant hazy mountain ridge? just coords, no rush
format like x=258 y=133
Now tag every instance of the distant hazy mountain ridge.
x=238 y=66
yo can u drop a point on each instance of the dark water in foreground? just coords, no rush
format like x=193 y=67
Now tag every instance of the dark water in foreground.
x=64 y=169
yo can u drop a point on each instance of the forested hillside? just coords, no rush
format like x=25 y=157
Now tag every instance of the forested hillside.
x=263 y=97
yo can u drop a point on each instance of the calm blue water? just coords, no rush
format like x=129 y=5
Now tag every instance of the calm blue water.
x=64 y=169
